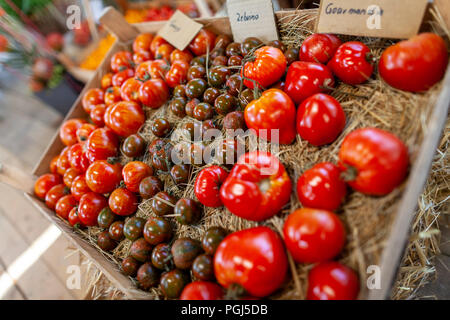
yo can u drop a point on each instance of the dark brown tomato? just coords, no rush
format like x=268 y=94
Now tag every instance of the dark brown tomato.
x=195 y=88
x=177 y=106
x=163 y=203
x=160 y=151
x=218 y=76
x=234 y=61
x=277 y=44
x=189 y=108
x=210 y=95
x=193 y=130
x=130 y=266
x=234 y=120
x=250 y=45
x=162 y=257
x=133 y=146
x=161 y=127
x=184 y=251
x=203 y=267
x=157 y=230
x=173 y=282
x=147 y=276
x=188 y=211
x=105 y=242
x=179 y=91
x=234 y=84
x=196 y=72
x=222 y=41
x=233 y=49
x=220 y=61
x=216 y=53
x=208 y=125
x=141 y=250
x=116 y=230
x=203 y=111
x=133 y=228
x=106 y=217
x=291 y=55
x=225 y=103
x=180 y=173
x=212 y=238
x=150 y=186
x=200 y=60
x=245 y=97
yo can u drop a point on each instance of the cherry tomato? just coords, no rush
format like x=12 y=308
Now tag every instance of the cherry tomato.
x=163 y=52
x=332 y=281
x=267 y=68
x=101 y=144
x=203 y=42
x=133 y=146
x=125 y=118
x=120 y=77
x=313 y=235
x=154 y=93
x=130 y=266
x=106 y=81
x=112 y=95
x=353 y=63
x=212 y=238
x=202 y=290
x=416 y=64
x=374 y=161
x=161 y=127
x=68 y=131
x=86 y=129
x=69 y=176
x=77 y=158
x=91 y=98
x=44 y=183
x=319 y=47
x=156 y=42
x=142 y=56
x=65 y=205
x=159 y=69
x=63 y=161
x=253 y=258
x=54 y=164
x=305 y=79
x=184 y=55
x=90 y=206
x=123 y=202
x=121 y=60
x=54 y=194
x=249 y=45
x=207 y=186
x=97 y=116
x=103 y=177
x=188 y=211
x=133 y=173
x=79 y=187
x=177 y=73
x=320 y=119
x=234 y=120
x=274 y=110
x=257 y=187
x=142 y=42
x=150 y=186
x=129 y=91
x=74 y=219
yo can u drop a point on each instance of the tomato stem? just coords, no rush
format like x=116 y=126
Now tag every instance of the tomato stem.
x=349 y=174
x=235 y=292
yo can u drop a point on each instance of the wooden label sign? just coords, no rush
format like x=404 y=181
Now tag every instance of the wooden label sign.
x=372 y=18
x=252 y=18
x=180 y=30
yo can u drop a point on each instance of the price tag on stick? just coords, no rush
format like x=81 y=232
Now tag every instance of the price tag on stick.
x=179 y=30
x=252 y=18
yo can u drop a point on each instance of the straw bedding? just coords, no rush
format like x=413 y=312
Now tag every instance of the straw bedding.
x=367 y=219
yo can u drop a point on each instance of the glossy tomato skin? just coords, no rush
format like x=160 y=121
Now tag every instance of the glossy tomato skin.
x=184 y=55
x=106 y=81
x=353 y=63
x=305 y=79
x=112 y=95
x=79 y=187
x=63 y=161
x=97 y=117
x=313 y=235
x=142 y=42
x=319 y=48
x=274 y=110
x=177 y=73
x=207 y=186
x=332 y=281
x=120 y=77
x=157 y=41
x=69 y=176
x=121 y=60
x=129 y=91
x=257 y=191
x=320 y=119
x=202 y=290
x=45 y=182
x=103 y=177
x=77 y=158
x=204 y=41
x=102 y=144
x=91 y=98
x=253 y=258
x=123 y=202
x=54 y=194
x=124 y=118
x=54 y=165
x=375 y=160
x=89 y=208
x=68 y=131
x=154 y=93
x=74 y=219
x=133 y=173
x=321 y=187
x=86 y=129
x=267 y=68
x=416 y=64
x=65 y=205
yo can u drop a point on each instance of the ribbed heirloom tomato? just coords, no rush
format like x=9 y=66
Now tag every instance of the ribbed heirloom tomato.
x=274 y=110
x=45 y=182
x=91 y=98
x=157 y=41
x=133 y=173
x=177 y=73
x=103 y=177
x=415 y=64
x=129 y=91
x=154 y=93
x=123 y=202
x=97 y=116
x=253 y=259
x=124 y=118
x=120 y=77
x=77 y=158
x=202 y=290
x=112 y=95
x=102 y=144
x=121 y=60
x=79 y=187
x=268 y=66
x=374 y=161
x=69 y=176
x=207 y=186
x=257 y=186
x=68 y=131
x=89 y=208
x=86 y=129
x=319 y=47
x=158 y=69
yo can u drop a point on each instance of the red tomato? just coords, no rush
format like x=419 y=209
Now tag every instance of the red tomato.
x=267 y=68
x=120 y=77
x=143 y=71
x=163 y=52
x=97 y=116
x=44 y=183
x=129 y=91
x=112 y=95
x=79 y=187
x=69 y=176
x=374 y=161
x=68 y=131
x=142 y=56
x=253 y=258
x=121 y=60
x=319 y=47
x=64 y=205
x=63 y=161
x=416 y=64
x=274 y=110
x=157 y=41
x=54 y=164
x=332 y=281
x=313 y=235
x=102 y=144
x=207 y=186
x=103 y=177
x=154 y=93
x=202 y=290
x=142 y=42
x=123 y=202
x=86 y=129
x=321 y=187
x=124 y=118
x=159 y=69
x=77 y=158
x=74 y=219
x=106 y=81
x=257 y=187
x=90 y=206
x=305 y=79
x=320 y=119
x=177 y=73
x=203 y=42
x=91 y=98
x=133 y=172
x=54 y=194
x=353 y=63
x=184 y=55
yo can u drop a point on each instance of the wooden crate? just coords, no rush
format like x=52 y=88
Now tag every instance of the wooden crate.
x=406 y=208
